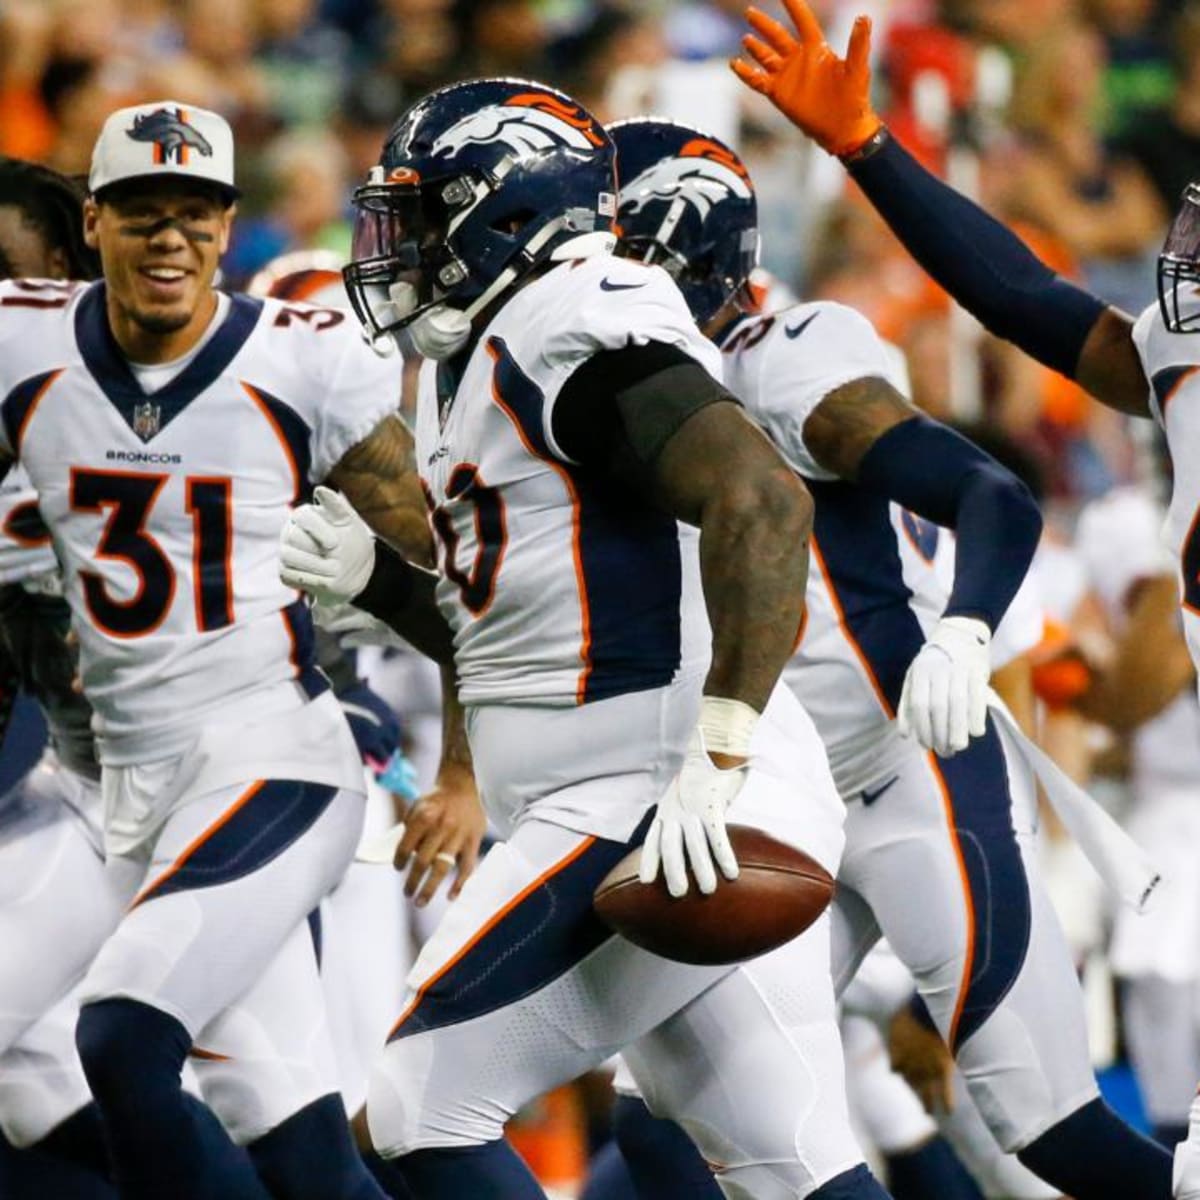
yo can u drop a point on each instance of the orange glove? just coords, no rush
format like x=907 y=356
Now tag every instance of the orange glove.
x=829 y=98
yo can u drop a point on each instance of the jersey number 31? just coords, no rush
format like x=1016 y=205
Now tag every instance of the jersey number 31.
x=128 y=498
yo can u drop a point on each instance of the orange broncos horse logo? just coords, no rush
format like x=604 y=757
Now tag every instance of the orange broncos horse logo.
x=571 y=114
x=715 y=152
x=526 y=123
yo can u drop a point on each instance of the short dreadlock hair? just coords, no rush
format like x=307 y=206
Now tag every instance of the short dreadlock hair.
x=52 y=204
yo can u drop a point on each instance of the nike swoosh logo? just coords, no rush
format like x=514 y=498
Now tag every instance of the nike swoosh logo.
x=795 y=333
x=607 y=285
x=869 y=798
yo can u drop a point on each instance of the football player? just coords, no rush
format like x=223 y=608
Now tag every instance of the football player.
x=1146 y=367
x=51 y=864
x=586 y=473
x=1152 y=700
x=940 y=850
x=168 y=429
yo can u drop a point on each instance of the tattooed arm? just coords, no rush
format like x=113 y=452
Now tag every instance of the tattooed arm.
x=850 y=420
x=866 y=432
x=445 y=827
x=654 y=422
x=379 y=478
x=720 y=473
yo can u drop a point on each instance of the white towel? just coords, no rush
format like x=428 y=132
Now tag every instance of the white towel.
x=1120 y=862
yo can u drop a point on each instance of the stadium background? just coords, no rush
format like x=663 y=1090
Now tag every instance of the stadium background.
x=1078 y=121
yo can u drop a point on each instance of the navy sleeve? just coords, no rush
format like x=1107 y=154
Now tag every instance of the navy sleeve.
x=939 y=475
x=634 y=398
x=982 y=264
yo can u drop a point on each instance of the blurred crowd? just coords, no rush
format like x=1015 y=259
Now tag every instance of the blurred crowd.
x=1076 y=120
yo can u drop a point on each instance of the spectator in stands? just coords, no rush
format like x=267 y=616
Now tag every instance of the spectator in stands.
x=1065 y=182
x=368 y=107
x=305 y=62
x=1165 y=142
x=501 y=37
x=219 y=48
x=1138 y=75
x=422 y=43
x=589 y=61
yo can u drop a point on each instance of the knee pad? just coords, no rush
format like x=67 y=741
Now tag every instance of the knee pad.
x=410 y=1108
x=772 y=1152
x=1016 y=1091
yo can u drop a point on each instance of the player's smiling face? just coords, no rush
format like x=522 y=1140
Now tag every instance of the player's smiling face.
x=160 y=244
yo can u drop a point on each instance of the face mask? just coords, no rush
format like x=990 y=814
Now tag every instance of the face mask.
x=439 y=332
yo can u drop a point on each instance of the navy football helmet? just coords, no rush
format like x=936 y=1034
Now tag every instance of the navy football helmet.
x=687 y=203
x=478 y=184
x=1179 y=264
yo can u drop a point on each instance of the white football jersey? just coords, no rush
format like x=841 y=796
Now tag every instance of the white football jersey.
x=1172 y=365
x=26 y=550
x=559 y=590
x=166 y=509
x=1119 y=540
x=875 y=587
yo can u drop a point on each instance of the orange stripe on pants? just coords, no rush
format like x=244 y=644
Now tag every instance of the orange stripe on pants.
x=199 y=841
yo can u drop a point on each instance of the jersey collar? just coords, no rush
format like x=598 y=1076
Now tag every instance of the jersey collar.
x=110 y=369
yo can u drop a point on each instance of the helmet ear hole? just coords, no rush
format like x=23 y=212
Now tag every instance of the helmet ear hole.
x=699 y=270
x=513 y=222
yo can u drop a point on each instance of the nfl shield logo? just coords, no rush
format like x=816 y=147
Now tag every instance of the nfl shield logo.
x=146 y=420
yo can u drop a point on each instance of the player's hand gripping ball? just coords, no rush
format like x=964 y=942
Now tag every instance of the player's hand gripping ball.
x=778 y=894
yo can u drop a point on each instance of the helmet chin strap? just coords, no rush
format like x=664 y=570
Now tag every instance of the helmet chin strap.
x=440 y=332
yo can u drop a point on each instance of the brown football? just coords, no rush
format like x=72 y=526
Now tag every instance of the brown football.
x=779 y=893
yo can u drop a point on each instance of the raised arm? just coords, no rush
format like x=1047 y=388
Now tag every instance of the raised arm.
x=982 y=264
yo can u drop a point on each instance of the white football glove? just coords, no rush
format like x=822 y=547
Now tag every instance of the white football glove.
x=689 y=826
x=944 y=701
x=355 y=628
x=327 y=549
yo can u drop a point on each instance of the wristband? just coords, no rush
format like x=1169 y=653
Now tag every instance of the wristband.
x=390 y=583
x=874 y=143
x=727 y=726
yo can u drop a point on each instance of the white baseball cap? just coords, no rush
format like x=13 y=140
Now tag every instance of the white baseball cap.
x=164 y=138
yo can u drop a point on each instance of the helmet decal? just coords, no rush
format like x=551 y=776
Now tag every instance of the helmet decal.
x=687 y=204
x=524 y=127
x=706 y=148
x=572 y=114
x=701 y=182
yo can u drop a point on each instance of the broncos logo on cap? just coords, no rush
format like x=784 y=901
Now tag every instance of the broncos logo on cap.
x=171 y=134
x=526 y=123
x=703 y=174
